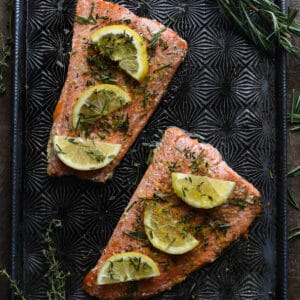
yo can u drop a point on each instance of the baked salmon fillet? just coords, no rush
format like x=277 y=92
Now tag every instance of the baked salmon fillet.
x=215 y=228
x=165 y=49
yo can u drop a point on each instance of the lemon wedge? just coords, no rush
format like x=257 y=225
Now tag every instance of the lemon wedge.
x=96 y=102
x=127 y=266
x=201 y=191
x=164 y=232
x=84 y=155
x=121 y=43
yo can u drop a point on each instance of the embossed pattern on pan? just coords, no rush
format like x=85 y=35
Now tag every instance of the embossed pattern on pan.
x=224 y=93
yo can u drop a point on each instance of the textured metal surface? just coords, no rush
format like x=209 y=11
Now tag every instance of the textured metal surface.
x=224 y=92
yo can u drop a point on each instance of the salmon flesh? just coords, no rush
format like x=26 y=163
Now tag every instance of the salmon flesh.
x=166 y=50
x=215 y=228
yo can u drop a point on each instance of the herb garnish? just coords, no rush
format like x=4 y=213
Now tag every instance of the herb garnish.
x=58 y=150
x=146 y=3
x=6 y=46
x=196 y=161
x=138 y=235
x=96 y=155
x=274 y=28
x=13 y=284
x=57 y=277
x=90 y=19
x=162 y=67
x=294 y=233
x=240 y=201
x=294 y=116
x=155 y=38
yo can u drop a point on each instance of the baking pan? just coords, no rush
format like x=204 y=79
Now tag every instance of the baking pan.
x=226 y=92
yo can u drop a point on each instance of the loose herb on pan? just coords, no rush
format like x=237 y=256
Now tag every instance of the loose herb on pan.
x=294 y=233
x=294 y=116
x=55 y=275
x=6 y=46
x=292 y=200
x=273 y=28
x=13 y=284
x=295 y=172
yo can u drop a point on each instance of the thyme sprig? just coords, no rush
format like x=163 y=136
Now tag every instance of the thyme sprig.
x=273 y=28
x=55 y=275
x=13 y=284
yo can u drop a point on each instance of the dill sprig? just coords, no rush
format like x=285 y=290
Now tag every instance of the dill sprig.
x=271 y=28
x=56 y=277
x=13 y=284
x=6 y=46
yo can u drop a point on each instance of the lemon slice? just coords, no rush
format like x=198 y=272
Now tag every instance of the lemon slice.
x=164 y=232
x=84 y=155
x=122 y=44
x=201 y=191
x=127 y=266
x=96 y=102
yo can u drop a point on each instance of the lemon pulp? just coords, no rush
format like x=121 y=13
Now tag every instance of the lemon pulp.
x=201 y=191
x=84 y=155
x=121 y=43
x=96 y=102
x=127 y=266
x=164 y=232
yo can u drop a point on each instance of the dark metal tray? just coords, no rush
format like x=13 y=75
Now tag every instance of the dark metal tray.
x=227 y=92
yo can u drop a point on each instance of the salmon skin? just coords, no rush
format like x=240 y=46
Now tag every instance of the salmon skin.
x=166 y=51
x=215 y=229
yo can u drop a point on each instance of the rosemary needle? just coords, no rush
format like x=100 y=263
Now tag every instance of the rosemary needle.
x=272 y=28
x=294 y=233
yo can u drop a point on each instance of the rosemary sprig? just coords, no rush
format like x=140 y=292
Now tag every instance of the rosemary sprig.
x=294 y=172
x=294 y=233
x=57 y=277
x=13 y=284
x=292 y=200
x=274 y=27
x=6 y=46
x=294 y=116
x=88 y=20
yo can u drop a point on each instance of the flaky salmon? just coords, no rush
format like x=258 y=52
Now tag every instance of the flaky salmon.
x=215 y=228
x=166 y=50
